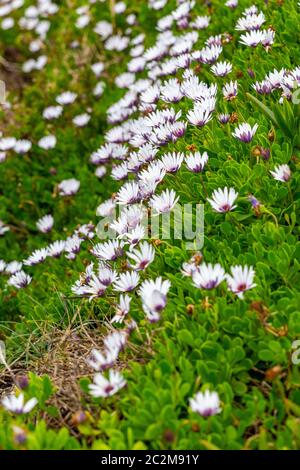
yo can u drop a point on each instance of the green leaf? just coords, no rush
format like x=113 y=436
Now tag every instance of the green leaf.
x=186 y=337
x=266 y=355
x=267 y=111
x=153 y=431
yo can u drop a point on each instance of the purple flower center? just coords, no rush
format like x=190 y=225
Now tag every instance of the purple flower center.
x=106 y=282
x=143 y=264
x=226 y=208
x=211 y=284
x=109 y=388
x=241 y=287
x=208 y=412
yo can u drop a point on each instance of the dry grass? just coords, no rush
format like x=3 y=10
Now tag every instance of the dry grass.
x=65 y=364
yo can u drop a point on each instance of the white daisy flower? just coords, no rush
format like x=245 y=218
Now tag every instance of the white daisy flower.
x=82 y=21
x=223 y=199
x=100 y=171
x=127 y=281
x=2 y=265
x=86 y=231
x=7 y=23
x=45 y=224
x=122 y=309
x=171 y=91
x=99 y=89
x=199 y=116
x=201 y=22
x=250 y=22
x=153 y=294
x=103 y=387
x=221 y=69
x=119 y=7
x=67 y=97
x=22 y=146
x=3 y=228
x=36 y=257
x=68 y=187
x=240 y=280
x=106 y=274
x=72 y=246
x=142 y=256
x=208 y=276
x=120 y=172
x=116 y=340
x=231 y=3
x=52 y=112
x=97 y=68
x=125 y=80
x=223 y=118
x=165 y=202
x=172 y=161
x=276 y=77
x=101 y=361
x=252 y=38
x=16 y=404
x=95 y=288
x=19 y=280
x=56 y=248
x=196 y=162
x=47 y=142
x=230 y=90
x=28 y=66
x=13 y=267
x=81 y=120
x=116 y=43
x=106 y=208
x=129 y=193
x=136 y=235
x=281 y=173
x=244 y=132
x=155 y=173
x=206 y=404
x=151 y=95
x=104 y=29
x=108 y=251
x=35 y=45
x=269 y=38
x=7 y=143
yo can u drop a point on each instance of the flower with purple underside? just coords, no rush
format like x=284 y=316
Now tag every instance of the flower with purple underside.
x=206 y=404
x=208 y=276
x=244 y=132
x=16 y=404
x=240 y=280
x=281 y=173
x=223 y=199
x=196 y=162
x=103 y=387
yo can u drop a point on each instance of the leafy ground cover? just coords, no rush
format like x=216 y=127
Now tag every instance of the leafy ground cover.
x=138 y=341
